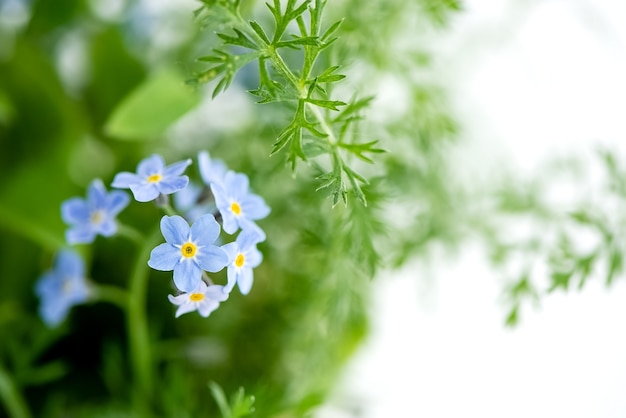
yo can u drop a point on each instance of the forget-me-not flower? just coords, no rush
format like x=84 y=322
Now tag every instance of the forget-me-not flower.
x=239 y=208
x=204 y=299
x=243 y=256
x=62 y=287
x=188 y=251
x=153 y=178
x=94 y=215
x=211 y=171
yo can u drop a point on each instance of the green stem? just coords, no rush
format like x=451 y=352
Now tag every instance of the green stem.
x=137 y=325
x=11 y=396
x=112 y=294
x=130 y=233
x=23 y=226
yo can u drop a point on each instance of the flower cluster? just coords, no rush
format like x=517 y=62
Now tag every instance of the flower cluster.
x=189 y=250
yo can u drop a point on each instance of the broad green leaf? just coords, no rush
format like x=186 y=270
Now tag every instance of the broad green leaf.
x=152 y=107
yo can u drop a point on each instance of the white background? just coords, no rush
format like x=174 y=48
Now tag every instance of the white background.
x=529 y=80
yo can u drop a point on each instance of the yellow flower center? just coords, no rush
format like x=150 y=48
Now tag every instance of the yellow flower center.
x=239 y=260
x=196 y=297
x=235 y=208
x=188 y=249
x=97 y=217
x=155 y=178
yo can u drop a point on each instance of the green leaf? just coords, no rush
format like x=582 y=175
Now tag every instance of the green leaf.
x=359 y=149
x=259 y=31
x=240 y=40
x=328 y=104
x=151 y=108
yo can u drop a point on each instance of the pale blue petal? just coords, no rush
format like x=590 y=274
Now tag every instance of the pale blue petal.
x=82 y=234
x=46 y=285
x=222 y=199
x=237 y=184
x=245 y=280
x=230 y=225
x=53 y=313
x=154 y=164
x=97 y=195
x=176 y=169
x=107 y=228
x=185 y=308
x=175 y=229
x=254 y=207
x=186 y=198
x=205 y=230
x=75 y=211
x=253 y=257
x=187 y=274
x=144 y=192
x=179 y=299
x=171 y=185
x=212 y=258
x=248 y=239
x=216 y=292
x=247 y=225
x=231 y=249
x=164 y=257
x=231 y=273
x=211 y=171
x=68 y=263
x=124 y=179
x=206 y=307
x=116 y=202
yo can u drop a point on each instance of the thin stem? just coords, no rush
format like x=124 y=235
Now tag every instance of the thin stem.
x=130 y=233
x=137 y=325
x=11 y=396
x=23 y=226
x=112 y=294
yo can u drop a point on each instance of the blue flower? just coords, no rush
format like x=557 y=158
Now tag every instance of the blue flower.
x=239 y=208
x=62 y=287
x=93 y=216
x=153 y=178
x=188 y=251
x=211 y=171
x=243 y=256
x=204 y=299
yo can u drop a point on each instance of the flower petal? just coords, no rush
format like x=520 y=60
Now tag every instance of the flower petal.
x=231 y=249
x=206 y=307
x=116 y=201
x=107 y=228
x=254 y=207
x=175 y=229
x=211 y=258
x=237 y=184
x=178 y=299
x=205 y=230
x=82 y=234
x=171 y=185
x=144 y=192
x=164 y=257
x=124 y=179
x=185 y=308
x=96 y=195
x=75 y=210
x=211 y=171
x=232 y=272
x=216 y=292
x=186 y=275
x=245 y=280
x=154 y=164
x=176 y=169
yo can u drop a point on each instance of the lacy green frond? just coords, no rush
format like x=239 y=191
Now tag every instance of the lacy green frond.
x=320 y=122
